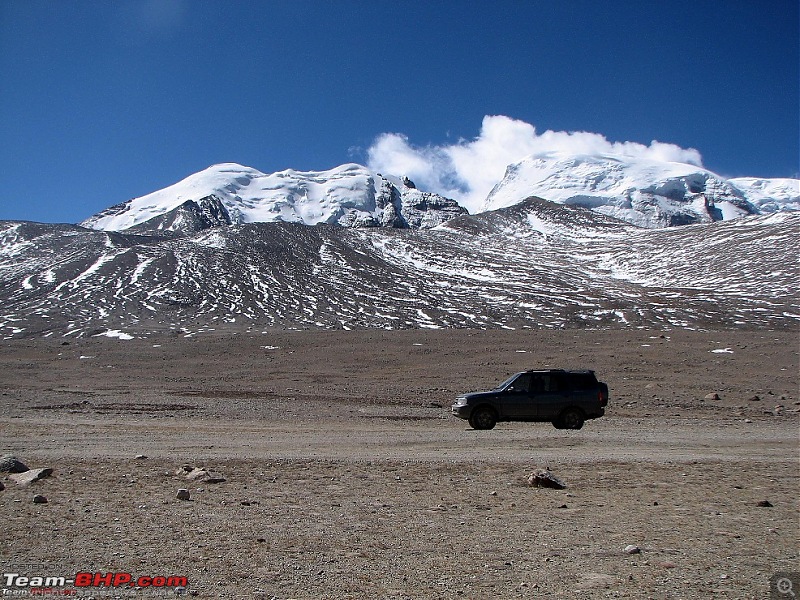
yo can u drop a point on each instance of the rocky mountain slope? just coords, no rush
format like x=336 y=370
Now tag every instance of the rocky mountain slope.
x=535 y=264
x=348 y=248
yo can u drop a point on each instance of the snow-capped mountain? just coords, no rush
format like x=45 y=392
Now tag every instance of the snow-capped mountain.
x=647 y=193
x=348 y=195
x=232 y=245
x=644 y=192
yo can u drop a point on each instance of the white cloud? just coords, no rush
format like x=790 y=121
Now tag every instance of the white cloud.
x=469 y=169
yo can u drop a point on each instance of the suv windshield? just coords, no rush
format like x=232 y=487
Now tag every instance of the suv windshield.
x=507 y=382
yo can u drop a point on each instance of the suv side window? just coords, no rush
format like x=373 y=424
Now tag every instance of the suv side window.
x=521 y=383
x=583 y=381
x=545 y=382
x=553 y=383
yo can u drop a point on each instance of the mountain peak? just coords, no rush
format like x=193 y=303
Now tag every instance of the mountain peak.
x=642 y=191
x=348 y=195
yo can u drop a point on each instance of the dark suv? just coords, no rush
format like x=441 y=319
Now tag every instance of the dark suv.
x=565 y=398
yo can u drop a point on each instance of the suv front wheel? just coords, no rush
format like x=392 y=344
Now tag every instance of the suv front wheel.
x=483 y=418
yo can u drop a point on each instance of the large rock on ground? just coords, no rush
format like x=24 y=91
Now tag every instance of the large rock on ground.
x=200 y=474
x=31 y=475
x=11 y=464
x=544 y=478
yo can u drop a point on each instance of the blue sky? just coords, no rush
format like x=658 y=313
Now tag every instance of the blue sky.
x=104 y=101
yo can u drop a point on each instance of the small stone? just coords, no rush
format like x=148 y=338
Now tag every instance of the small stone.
x=748 y=420
x=2 y=486
x=712 y=396
x=183 y=494
x=39 y=499
x=668 y=564
x=140 y=457
x=631 y=549
x=764 y=504
x=755 y=399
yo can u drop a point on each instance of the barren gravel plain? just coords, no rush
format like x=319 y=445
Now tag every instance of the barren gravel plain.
x=346 y=476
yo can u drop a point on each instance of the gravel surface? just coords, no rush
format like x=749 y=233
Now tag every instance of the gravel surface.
x=346 y=477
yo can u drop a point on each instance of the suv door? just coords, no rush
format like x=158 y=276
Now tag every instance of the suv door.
x=551 y=395
x=517 y=400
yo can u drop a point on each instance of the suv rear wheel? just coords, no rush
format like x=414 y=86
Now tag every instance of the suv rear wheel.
x=483 y=418
x=572 y=418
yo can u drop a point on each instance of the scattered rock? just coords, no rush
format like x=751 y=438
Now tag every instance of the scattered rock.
x=764 y=503
x=140 y=457
x=2 y=486
x=200 y=474
x=544 y=478
x=668 y=564
x=196 y=474
x=31 y=475
x=712 y=396
x=183 y=494
x=748 y=420
x=39 y=499
x=11 y=464
x=631 y=549
x=755 y=399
